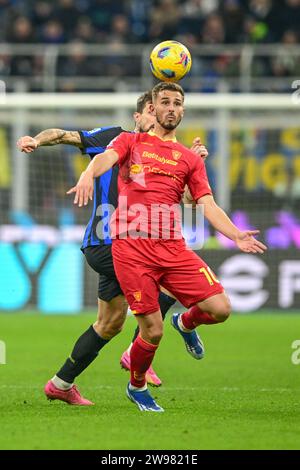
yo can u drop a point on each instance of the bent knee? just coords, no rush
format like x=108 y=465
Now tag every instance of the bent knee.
x=224 y=311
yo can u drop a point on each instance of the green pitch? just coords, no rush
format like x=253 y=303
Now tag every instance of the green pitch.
x=243 y=395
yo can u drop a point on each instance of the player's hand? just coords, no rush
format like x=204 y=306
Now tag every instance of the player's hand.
x=199 y=149
x=83 y=190
x=247 y=243
x=27 y=144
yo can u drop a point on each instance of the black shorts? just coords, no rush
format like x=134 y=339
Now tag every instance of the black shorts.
x=100 y=259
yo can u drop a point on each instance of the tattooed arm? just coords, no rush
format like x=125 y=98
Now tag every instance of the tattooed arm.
x=47 y=137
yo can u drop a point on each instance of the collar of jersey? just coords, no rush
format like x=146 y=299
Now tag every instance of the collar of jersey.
x=155 y=135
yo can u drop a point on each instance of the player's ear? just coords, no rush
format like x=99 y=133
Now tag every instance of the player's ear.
x=152 y=109
x=136 y=116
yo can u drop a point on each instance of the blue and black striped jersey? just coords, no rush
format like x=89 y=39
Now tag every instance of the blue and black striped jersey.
x=105 y=186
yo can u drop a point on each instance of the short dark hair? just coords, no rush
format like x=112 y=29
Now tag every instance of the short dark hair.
x=143 y=100
x=166 y=86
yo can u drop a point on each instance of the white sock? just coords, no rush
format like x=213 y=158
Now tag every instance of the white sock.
x=129 y=348
x=139 y=389
x=61 y=384
x=181 y=326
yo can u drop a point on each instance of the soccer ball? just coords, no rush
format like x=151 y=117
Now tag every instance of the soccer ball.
x=170 y=61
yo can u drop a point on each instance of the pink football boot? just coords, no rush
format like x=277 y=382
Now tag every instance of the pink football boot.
x=71 y=396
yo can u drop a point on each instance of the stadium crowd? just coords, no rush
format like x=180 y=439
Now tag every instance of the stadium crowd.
x=135 y=21
x=103 y=22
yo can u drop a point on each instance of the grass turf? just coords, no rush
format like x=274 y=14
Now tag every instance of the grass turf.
x=243 y=395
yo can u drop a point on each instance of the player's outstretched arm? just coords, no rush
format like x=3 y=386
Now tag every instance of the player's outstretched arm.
x=219 y=219
x=47 y=137
x=101 y=163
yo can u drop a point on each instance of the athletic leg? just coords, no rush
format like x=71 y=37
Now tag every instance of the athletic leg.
x=195 y=285
x=141 y=355
x=140 y=284
x=111 y=316
x=166 y=300
x=112 y=309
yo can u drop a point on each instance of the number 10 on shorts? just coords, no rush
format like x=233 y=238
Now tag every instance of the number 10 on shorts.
x=210 y=276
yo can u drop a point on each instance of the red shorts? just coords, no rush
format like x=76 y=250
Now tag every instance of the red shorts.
x=143 y=265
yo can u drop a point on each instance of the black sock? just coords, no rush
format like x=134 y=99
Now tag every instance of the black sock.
x=85 y=350
x=165 y=303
